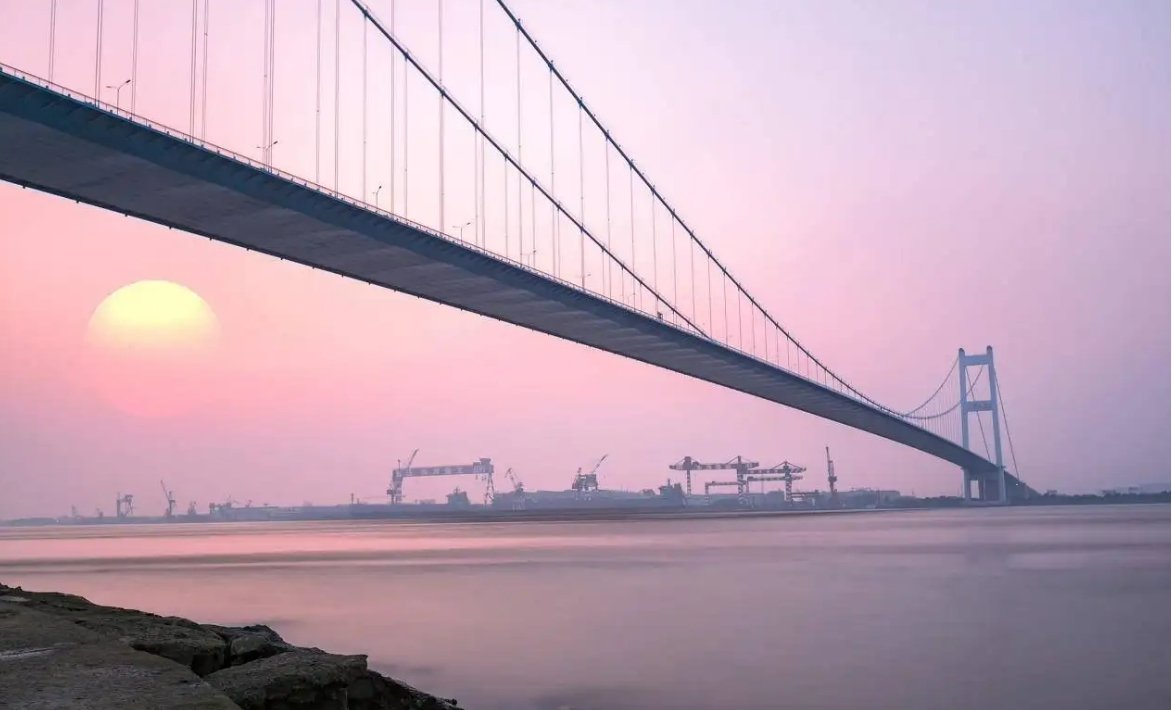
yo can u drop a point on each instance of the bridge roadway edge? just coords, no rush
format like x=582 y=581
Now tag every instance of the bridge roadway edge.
x=35 y=119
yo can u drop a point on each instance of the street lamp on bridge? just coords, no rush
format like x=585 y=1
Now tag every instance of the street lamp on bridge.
x=266 y=152
x=118 y=92
x=461 y=228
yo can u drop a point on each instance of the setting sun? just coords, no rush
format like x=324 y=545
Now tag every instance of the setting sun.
x=152 y=343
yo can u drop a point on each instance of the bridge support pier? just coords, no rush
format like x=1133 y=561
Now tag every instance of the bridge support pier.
x=990 y=484
x=989 y=488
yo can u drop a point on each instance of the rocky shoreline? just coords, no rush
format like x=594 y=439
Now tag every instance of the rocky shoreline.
x=61 y=651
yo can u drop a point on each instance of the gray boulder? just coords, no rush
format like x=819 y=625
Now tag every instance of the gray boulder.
x=309 y=679
x=179 y=640
x=295 y=680
x=250 y=643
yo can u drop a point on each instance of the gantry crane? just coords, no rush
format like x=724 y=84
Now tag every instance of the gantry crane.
x=688 y=464
x=717 y=484
x=587 y=482
x=170 y=501
x=481 y=469
x=784 y=471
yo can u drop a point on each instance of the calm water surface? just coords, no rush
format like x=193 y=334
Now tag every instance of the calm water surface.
x=928 y=610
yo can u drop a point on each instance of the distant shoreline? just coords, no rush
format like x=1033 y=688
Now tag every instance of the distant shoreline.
x=599 y=514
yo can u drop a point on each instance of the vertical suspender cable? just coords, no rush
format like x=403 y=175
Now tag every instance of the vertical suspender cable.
x=317 y=105
x=533 y=221
x=337 y=85
x=394 y=53
x=581 y=198
x=692 y=271
x=711 y=321
x=557 y=243
x=532 y=186
x=753 y=329
x=520 y=227
x=194 y=59
x=272 y=76
x=98 y=57
x=724 y=281
x=505 y=206
x=442 y=224
x=53 y=35
x=610 y=261
x=364 y=111
x=475 y=187
x=203 y=120
x=654 y=252
x=133 y=57
x=406 y=135
x=740 y=322
x=675 y=285
x=520 y=177
x=634 y=263
x=264 y=111
x=478 y=147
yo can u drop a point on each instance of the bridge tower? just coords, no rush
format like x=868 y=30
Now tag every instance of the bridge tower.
x=990 y=484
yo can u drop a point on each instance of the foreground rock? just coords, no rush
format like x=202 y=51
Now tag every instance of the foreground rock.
x=48 y=662
x=61 y=651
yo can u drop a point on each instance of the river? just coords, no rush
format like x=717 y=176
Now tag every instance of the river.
x=989 y=609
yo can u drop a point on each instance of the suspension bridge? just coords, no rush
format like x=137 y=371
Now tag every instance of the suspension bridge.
x=345 y=147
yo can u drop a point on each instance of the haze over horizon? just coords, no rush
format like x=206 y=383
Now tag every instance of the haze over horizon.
x=892 y=181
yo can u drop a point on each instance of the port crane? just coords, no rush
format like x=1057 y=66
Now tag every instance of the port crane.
x=831 y=479
x=518 y=486
x=587 y=482
x=124 y=505
x=784 y=471
x=738 y=464
x=170 y=501
x=518 y=496
x=482 y=469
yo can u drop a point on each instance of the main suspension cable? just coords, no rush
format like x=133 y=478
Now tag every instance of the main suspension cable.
x=1008 y=433
x=943 y=383
x=950 y=410
x=815 y=362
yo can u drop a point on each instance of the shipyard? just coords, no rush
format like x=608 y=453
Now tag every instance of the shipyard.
x=482 y=491
x=737 y=486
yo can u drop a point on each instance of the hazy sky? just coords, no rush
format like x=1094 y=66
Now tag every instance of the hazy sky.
x=894 y=180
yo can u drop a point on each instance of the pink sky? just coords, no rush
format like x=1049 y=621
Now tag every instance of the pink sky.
x=893 y=181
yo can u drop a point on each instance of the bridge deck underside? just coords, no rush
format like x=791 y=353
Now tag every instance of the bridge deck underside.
x=59 y=145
